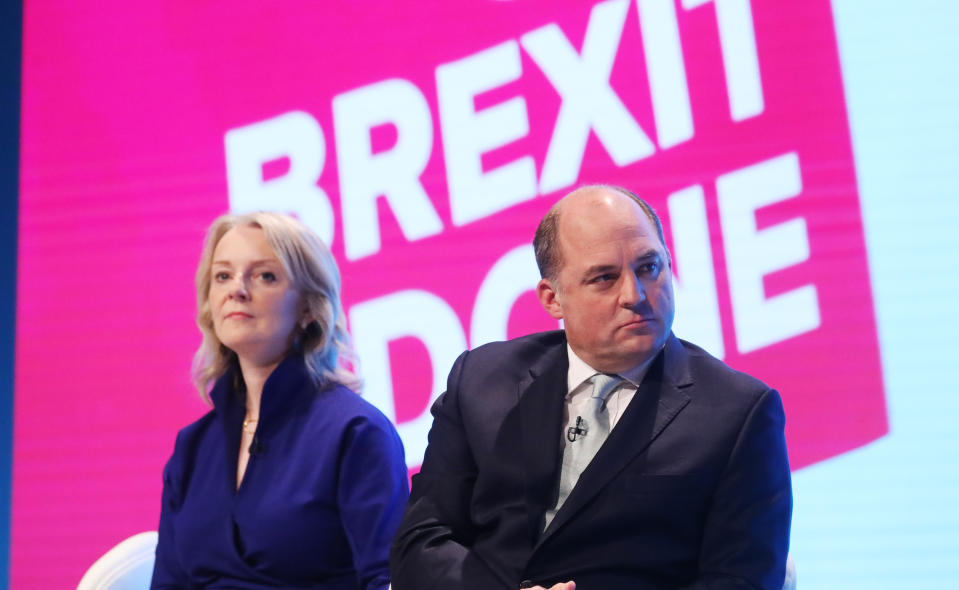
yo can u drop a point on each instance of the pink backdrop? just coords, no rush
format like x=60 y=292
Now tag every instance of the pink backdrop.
x=447 y=132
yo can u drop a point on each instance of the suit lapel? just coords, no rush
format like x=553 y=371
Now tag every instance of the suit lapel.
x=541 y=417
x=657 y=402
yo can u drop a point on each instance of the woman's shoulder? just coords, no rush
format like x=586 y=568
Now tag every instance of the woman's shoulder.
x=340 y=398
x=337 y=402
x=190 y=440
x=344 y=419
x=192 y=434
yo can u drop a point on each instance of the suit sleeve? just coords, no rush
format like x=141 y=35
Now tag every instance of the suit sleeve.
x=746 y=534
x=433 y=548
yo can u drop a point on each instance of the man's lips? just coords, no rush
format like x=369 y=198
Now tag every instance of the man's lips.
x=638 y=322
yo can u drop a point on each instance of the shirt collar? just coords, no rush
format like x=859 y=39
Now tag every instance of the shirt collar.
x=580 y=371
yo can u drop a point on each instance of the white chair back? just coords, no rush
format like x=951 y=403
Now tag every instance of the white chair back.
x=128 y=566
x=790 y=583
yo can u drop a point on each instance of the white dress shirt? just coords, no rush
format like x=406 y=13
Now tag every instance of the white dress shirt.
x=579 y=390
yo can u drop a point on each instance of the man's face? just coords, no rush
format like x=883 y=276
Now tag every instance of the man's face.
x=614 y=289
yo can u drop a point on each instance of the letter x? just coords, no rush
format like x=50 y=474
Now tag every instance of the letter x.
x=588 y=101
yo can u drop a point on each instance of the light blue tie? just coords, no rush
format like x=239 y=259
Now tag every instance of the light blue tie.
x=585 y=435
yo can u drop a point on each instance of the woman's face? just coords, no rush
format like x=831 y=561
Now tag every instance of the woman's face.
x=254 y=305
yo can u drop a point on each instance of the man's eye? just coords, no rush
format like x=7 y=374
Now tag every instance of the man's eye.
x=650 y=268
x=603 y=278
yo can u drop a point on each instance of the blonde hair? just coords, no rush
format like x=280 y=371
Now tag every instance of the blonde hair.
x=324 y=343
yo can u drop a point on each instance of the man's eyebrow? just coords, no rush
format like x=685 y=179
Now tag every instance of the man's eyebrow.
x=599 y=269
x=648 y=254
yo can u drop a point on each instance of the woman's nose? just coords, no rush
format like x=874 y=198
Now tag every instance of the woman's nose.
x=238 y=290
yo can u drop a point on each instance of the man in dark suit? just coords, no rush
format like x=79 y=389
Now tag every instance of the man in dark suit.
x=608 y=455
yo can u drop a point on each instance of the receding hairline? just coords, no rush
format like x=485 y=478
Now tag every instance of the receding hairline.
x=546 y=242
x=607 y=188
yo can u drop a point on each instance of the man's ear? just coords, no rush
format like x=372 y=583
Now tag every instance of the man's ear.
x=549 y=298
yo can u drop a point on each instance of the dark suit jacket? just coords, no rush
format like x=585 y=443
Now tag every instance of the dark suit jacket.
x=691 y=489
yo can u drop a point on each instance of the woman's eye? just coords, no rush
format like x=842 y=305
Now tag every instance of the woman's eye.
x=221 y=276
x=269 y=277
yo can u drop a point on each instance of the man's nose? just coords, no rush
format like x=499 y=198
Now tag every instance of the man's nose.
x=632 y=291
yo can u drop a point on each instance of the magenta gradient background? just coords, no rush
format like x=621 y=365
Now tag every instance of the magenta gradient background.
x=125 y=106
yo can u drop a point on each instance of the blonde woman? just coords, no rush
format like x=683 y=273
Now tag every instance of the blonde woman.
x=292 y=480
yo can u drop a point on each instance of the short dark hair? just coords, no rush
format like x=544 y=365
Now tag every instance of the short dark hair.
x=546 y=240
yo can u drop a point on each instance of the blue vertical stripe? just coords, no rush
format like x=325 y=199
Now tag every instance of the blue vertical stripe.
x=11 y=19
